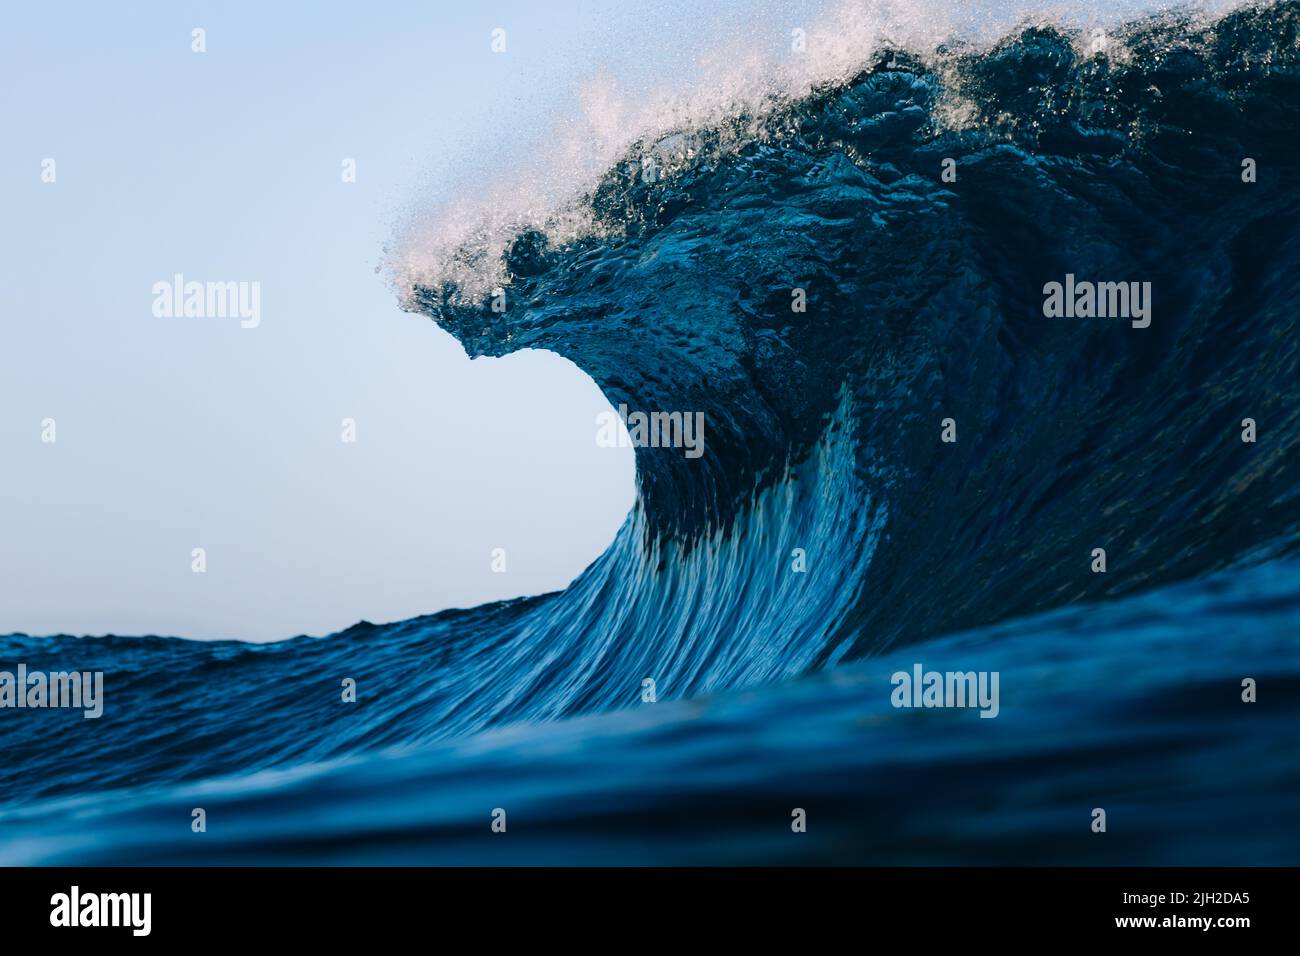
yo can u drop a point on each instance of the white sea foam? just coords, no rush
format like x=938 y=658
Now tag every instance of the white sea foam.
x=460 y=243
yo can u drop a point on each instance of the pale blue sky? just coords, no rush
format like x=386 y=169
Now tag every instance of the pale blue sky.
x=182 y=433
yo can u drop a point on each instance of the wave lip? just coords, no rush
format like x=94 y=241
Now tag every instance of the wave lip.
x=745 y=91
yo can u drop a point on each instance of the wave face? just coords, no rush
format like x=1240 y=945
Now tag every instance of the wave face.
x=924 y=302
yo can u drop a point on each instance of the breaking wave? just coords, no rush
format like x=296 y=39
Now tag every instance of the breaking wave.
x=828 y=535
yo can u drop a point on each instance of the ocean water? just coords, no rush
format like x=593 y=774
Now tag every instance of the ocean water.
x=1113 y=160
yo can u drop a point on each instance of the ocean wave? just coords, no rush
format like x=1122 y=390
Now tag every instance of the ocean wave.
x=828 y=521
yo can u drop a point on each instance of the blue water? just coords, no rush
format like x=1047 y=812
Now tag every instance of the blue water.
x=1119 y=690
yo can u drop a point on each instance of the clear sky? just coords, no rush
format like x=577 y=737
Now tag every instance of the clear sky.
x=181 y=433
